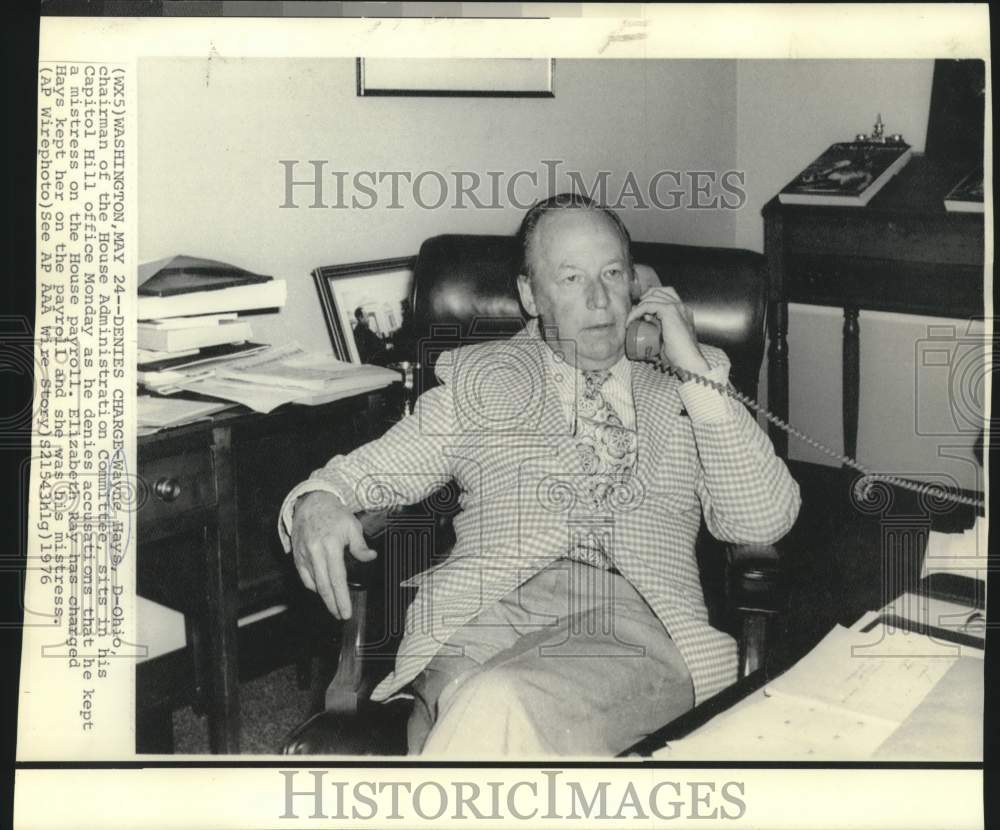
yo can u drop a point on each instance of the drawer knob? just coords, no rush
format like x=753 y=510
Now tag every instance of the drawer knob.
x=168 y=489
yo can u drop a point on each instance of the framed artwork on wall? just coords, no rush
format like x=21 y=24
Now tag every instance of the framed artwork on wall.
x=366 y=306
x=456 y=77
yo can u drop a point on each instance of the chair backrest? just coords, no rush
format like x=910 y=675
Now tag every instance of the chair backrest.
x=464 y=290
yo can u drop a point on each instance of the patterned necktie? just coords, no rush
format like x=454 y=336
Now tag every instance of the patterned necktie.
x=607 y=452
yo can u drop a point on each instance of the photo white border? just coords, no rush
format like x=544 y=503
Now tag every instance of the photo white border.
x=222 y=797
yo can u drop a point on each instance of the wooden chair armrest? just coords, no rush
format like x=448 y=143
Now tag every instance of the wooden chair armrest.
x=755 y=592
x=754 y=578
x=350 y=723
x=346 y=690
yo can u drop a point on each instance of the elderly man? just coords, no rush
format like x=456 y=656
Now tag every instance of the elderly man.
x=569 y=618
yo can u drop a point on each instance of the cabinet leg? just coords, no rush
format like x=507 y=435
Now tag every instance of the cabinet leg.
x=221 y=593
x=196 y=643
x=224 y=707
x=777 y=374
x=851 y=380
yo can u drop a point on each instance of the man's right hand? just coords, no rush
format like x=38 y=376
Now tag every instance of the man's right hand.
x=321 y=529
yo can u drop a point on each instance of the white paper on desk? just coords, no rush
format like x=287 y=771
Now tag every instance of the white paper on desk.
x=948 y=725
x=838 y=703
x=166 y=381
x=963 y=553
x=317 y=398
x=158 y=413
x=284 y=353
x=883 y=679
x=291 y=365
x=262 y=397
x=865 y=619
x=257 y=396
x=782 y=728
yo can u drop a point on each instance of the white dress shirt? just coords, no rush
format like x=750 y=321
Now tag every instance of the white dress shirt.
x=702 y=403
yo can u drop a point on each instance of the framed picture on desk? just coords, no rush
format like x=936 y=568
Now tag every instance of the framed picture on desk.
x=366 y=306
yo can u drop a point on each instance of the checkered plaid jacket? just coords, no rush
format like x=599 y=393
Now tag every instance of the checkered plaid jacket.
x=496 y=426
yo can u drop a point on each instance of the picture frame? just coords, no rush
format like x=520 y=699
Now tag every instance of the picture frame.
x=456 y=77
x=380 y=289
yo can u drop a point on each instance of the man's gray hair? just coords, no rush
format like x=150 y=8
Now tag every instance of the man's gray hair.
x=562 y=201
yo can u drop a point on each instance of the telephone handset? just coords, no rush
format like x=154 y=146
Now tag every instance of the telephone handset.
x=643 y=340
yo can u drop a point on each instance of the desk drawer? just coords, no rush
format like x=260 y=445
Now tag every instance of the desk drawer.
x=946 y=239
x=178 y=483
x=885 y=285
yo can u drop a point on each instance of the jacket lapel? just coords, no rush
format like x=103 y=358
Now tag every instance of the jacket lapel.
x=532 y=387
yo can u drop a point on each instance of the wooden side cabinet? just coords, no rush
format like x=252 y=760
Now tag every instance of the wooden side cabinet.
x=903 y=252
x=208 y=545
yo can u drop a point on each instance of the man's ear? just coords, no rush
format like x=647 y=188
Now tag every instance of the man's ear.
x=643 y=278
x=527 y=294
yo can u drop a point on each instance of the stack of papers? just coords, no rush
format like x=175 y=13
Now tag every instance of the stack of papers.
x=152 y=362
x=274 y=376
x=159 y=413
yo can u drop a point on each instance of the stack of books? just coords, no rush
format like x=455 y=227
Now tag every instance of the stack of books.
x=193 y=341
x=188 y=310
x=174 y=335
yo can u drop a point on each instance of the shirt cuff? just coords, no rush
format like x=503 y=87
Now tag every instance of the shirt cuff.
x=704 y=404
x=287 y=512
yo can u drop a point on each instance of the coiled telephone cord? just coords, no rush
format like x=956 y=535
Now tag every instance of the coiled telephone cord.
x=864 y=484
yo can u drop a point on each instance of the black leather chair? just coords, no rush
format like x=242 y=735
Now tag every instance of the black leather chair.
x=464 y=290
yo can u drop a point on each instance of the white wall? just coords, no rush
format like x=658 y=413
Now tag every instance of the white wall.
x=212 y=132
x=790 y=111
x=787 y=113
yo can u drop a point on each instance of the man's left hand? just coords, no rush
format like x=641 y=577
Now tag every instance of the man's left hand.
x=680 y=344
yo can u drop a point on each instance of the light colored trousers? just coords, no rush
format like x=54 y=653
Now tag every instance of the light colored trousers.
x=574 y=662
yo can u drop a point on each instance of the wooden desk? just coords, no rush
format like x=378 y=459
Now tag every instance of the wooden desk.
x=207 y=539
x=903 y=252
